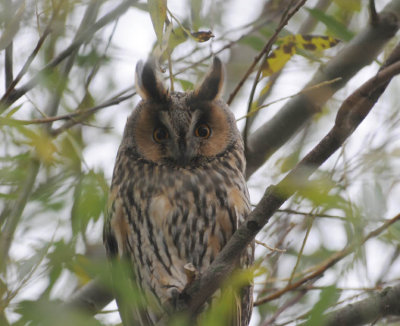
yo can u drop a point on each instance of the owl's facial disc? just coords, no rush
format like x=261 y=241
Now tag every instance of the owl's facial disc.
x=185 y=134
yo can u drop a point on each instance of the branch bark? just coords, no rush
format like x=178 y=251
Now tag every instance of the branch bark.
x=361 y=51
x=352 y=112
x=377 y=305
x=91 y=298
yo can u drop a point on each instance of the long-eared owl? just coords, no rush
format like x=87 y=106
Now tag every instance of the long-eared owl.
x=178 y=192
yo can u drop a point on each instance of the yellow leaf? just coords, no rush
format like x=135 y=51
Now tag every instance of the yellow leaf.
x=42 y=143
x=278 y=58
x=314 y=42
x=288 y=46
x=80 y=272
x=354 y=5
x=158 y=14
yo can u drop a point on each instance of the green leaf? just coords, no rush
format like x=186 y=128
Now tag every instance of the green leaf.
x=327 y=298
x=253 y=41
x=61 y=256
x=27 y=265
x=353 y=5
x=186 y=85
x=195 y=12
x=49 y=313
x=334 y=26
x=89 y=201
x=177 y=37
x=158 y=14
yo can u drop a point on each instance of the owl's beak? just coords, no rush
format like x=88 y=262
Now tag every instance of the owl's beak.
x=185 y=153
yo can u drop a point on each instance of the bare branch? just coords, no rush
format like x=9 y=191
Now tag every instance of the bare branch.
x=88 y=19
x=266 y=49
x=79 y=117
x=264 y=53
x=13 y=218
x=25 y=67
x=77 y=42
x=91 y=298
x=322 y=268
x=377 y=305
x=350 y=115
x=357 y=54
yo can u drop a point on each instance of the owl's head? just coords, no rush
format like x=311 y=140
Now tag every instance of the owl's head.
x=180 y=129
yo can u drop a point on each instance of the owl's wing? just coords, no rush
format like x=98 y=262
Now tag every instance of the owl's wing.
x=245 y=308
x=115 y=240
x=246 y=293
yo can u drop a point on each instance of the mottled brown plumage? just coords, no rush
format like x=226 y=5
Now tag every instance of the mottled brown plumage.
x=178 y=192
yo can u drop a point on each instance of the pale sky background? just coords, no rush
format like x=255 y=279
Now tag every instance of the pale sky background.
x=135 y=37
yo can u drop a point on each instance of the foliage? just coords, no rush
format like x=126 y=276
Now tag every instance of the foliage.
x=67 y=64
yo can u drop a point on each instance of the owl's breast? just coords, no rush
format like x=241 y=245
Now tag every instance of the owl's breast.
x=196 y=211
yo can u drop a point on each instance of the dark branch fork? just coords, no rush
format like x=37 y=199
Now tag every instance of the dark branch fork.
x=352 y=112
x=363 y=49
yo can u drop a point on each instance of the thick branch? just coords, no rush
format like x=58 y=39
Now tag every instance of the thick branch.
x=377 y=305
x=361 y=51
x=350 y=115
x=91 y=298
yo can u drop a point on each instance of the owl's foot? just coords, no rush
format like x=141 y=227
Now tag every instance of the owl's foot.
x=191 y=273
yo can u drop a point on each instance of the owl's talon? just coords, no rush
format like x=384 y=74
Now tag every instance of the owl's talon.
x=191 y=273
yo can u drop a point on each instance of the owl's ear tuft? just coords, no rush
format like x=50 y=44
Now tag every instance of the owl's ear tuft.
x=148 y=82
x=211 y=87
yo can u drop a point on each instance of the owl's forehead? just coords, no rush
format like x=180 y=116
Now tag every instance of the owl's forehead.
x=181 y=109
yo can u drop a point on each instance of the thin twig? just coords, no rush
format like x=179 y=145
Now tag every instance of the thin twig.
x=31 y=57
x=329 y=262
x=82 y=38
x=77 y=115
x=82 y=116
x=263 y=54
x=313 y=87
x=13 y=219
x=88 y=19
x=298 y=258
x=265 y=50
x=350 y=115
x=362 y=49
x=8 y=64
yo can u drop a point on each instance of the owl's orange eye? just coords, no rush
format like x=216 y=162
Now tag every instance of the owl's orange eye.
x=160 y=134
x=203 y=131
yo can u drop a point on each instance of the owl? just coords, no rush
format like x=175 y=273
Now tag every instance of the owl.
x=178 y=194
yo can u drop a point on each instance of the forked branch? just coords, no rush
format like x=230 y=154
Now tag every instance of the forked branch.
x=352 y=112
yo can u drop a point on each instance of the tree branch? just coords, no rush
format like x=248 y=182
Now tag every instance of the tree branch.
x=352 y=112
x=267 y=48
x=328 y=262
x=358 y=53
x=91 y=298
x=7 y=233
x=77 y=42
x=377 y=305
